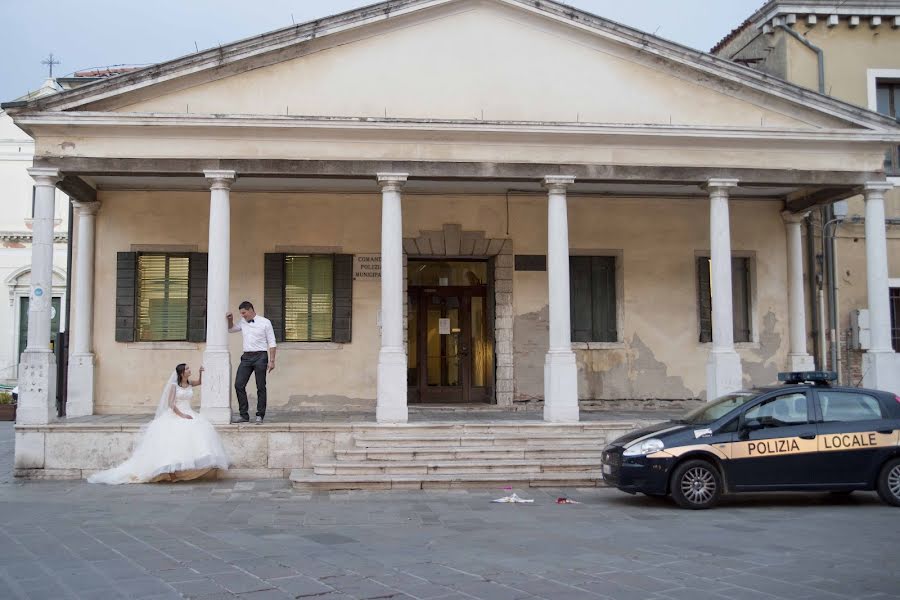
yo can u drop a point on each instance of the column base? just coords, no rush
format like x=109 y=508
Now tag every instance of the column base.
x=561 y=388
x=801 y=362
x=215 y=402
x=881 y=371
x=80 y=395
x=391 y=405
x=723 y=374
x=37 y=388
x=29 y=450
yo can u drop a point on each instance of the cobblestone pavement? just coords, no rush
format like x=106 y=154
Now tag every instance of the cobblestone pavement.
x=261 y=540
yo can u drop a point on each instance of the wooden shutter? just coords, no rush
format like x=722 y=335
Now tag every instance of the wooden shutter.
x=580 y=298
x=603 y=306
x=197 y=289
x=740 y=294
x=342 y=320
x=273 y=292
x=704 y=299
x=126 y=292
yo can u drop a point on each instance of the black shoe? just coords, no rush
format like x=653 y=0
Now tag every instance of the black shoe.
x=240 y=419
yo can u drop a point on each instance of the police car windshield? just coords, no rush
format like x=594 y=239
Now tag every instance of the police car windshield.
x=717 y=409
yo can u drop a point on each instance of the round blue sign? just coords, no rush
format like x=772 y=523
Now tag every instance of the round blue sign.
x=38 y=292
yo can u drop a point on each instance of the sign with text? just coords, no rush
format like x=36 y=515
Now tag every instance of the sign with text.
x=367 y=266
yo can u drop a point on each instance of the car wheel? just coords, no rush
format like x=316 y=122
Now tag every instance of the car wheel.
x=889 y=482
x=696 y=484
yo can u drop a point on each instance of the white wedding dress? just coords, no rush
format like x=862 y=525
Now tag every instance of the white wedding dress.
x=171 y=447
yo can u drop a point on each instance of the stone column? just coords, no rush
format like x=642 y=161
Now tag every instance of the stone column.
x=80 y=397
x=723 y=368
x=798 y=358
x=881 y=365
x=215 y=403
x=560 y=370
x=391 y=387
x=37 y=371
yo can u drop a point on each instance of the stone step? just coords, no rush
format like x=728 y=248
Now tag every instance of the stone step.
x=488 y=439
x=306 y=479
x=413 y=453
x=458 y=467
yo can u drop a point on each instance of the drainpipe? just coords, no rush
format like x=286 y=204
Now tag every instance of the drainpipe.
x=831 y=270
x=811 y=278
x=820 y=56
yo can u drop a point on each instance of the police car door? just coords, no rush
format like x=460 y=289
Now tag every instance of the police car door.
x=775 y=446
x=853 y=434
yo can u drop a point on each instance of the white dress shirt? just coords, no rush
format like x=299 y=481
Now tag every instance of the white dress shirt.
x=258 y=335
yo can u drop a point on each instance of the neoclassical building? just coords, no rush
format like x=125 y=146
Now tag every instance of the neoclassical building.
x=454 y=202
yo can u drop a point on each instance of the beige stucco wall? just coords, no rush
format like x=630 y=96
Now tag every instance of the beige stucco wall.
x=659 y=357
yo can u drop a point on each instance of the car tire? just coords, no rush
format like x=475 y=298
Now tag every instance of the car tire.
x=696 y=485
x=889 y=482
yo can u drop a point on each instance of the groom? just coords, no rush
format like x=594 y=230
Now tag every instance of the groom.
x=258 y=358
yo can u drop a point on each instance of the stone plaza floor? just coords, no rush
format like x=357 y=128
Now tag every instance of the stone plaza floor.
x=261 y=540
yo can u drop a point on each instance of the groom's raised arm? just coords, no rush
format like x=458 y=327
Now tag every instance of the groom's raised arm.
x=232 y=328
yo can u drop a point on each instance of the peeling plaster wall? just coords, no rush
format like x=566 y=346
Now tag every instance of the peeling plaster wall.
x=658 y=355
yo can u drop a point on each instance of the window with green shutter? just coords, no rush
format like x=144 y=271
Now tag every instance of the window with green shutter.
x=740 y=298
x=308 y=298
x=592 y=284
x=163 y=282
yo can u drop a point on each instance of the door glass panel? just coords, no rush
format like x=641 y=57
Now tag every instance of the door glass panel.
x=482 y=350
x=412 y=324
x=444 y=338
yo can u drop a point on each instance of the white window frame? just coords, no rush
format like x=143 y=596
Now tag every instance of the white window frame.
x=872 y=77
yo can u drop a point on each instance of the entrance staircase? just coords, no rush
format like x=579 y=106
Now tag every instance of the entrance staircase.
x=465 y=455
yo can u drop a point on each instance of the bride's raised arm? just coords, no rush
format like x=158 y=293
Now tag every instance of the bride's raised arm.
x=199 y=380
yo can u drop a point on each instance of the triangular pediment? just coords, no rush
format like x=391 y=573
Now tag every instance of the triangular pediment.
x=496 y=60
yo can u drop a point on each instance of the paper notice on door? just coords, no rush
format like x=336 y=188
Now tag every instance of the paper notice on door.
x=444 y=326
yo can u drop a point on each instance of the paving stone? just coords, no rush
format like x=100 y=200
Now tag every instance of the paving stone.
x=249 y=539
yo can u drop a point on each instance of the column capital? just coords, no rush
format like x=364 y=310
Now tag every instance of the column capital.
x=86 y=208
x=715 y=185
x=793 y=218
x=878 y=188
x=218 y=179
x=558 y=183
x=45 y=176
x=392 y=182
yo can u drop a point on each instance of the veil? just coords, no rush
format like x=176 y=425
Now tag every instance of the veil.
x=167 y=391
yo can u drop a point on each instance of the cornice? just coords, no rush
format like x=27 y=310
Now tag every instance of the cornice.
x=462 y=127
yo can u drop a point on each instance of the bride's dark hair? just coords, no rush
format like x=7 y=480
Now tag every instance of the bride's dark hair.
x=179 y=372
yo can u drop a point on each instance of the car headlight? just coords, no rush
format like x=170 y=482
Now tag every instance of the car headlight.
x=643 y=448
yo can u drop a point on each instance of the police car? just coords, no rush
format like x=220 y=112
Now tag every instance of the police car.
x=804 y=435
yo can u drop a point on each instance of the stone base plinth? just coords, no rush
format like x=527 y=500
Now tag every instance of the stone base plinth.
x=723 y=374
x=881 y=371
x=80 y=396
x=561 y=388
x=391 y=394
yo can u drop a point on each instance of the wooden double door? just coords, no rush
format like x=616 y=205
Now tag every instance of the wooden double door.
x=451 y=350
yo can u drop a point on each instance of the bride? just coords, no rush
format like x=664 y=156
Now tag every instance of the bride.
x=179 y=444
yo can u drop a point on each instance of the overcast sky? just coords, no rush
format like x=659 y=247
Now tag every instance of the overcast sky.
x=93 y=33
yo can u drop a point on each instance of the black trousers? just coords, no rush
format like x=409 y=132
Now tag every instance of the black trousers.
x=257 y=363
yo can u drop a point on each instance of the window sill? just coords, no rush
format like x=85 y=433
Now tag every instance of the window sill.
x=163 y=346
x=310 y=346
x=598 y=345
x=737 y=345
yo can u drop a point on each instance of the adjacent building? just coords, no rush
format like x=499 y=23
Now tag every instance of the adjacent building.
x=850 y=51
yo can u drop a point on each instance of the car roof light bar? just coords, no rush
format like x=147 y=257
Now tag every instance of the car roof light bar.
x=819 y=377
